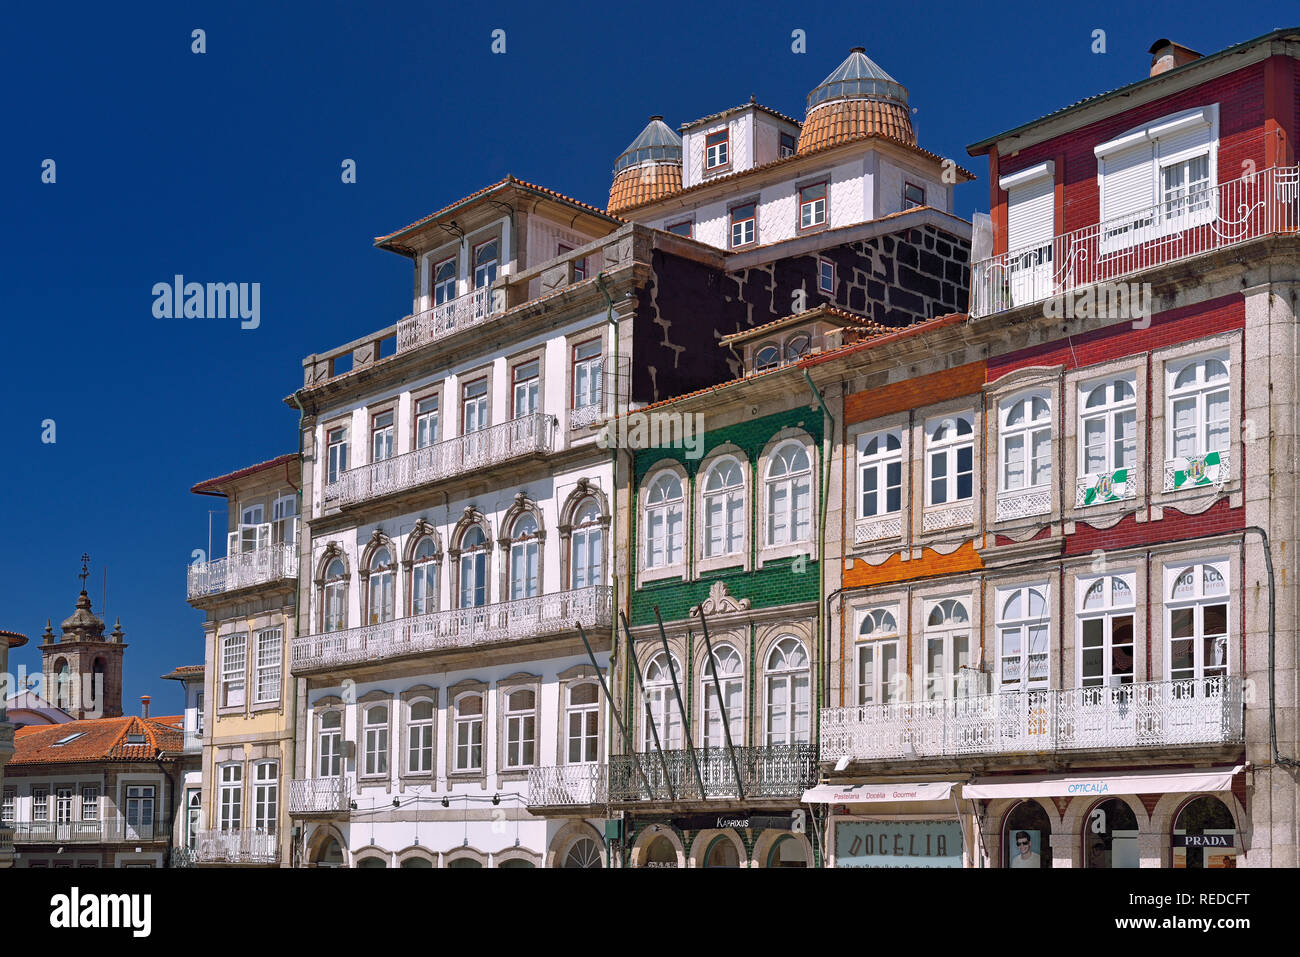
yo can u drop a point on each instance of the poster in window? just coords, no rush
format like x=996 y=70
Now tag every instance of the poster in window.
x=1024 y=849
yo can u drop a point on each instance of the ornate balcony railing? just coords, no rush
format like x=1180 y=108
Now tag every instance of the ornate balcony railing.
x=457 y=628
x=184 y=857
x=1211 y=470
x=874 y=529
x=6 y=843
x=193 y=742
x=442 y=320
x=769 y=771
x=309 y=796
x=257 y=567
x=568 y=785
x=1024 y=503
x=1259 y=204
x=90 y=832
x=1117 y=486
x=527 y=435
x=252 y=846
x=1191 y=711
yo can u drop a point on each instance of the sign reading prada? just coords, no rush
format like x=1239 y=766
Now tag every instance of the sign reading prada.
x=1202 y=840
x=898 y=844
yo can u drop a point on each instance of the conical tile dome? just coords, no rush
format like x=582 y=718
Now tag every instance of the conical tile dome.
x=648 y=169
x=857 y=99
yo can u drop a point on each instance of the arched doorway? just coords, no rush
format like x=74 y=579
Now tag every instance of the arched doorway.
x=788 y=852
x=372 y=862
x=1027 y=837
x=1205 y=835
x=1110 y=836
x=722 y=853
x=328 y=854
x=417 y=862
x=660 y=853
x=465 y=862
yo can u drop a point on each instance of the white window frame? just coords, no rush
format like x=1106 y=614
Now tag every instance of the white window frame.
x=234 y=670
x=586 y=732
x=520 y=729
x=230 y=797
x=329 y=745
x=664 y=548
x=424 y=576
x=877 y=464
x=427 y=410
x=375 y=739
x=587 y=546
x=421 y=752
x=1111 y=414
x=877 y=643
x=813 y=212
x=948 y=449
x=1108 y=613
x=336 y=449
x=718 y=153
x=383 y=431
x=381 y=587
x=269 y=672
x=525 y=558
x=744 y=231
x=1024 y=628
x=1029 y=432
x=467 y=740
x=266 y=795
x=659 y=704
x=334 y=597
x=731 y=676
x=723 y=533
x=1199 y=392
x=796 y=526
x=795 y=682
x=1197 y=601
x=945 y=681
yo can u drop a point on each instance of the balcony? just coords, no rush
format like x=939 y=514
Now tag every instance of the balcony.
x=1261 y=204
x=770 y=771
x=457 y=628
x=257 y=567
x=90 y=832
x=6 y=843
x=193 y=742
x=532 y=434
x=254 y=846
x=320 y=796
x=568 y=785
x=1106 y=487
x=1154 y=714
x=447 y=318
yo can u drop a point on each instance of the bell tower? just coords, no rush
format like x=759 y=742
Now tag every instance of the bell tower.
x=83 y=668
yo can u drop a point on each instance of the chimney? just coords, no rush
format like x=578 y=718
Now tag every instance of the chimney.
x=144 y=706
x=1166 y=55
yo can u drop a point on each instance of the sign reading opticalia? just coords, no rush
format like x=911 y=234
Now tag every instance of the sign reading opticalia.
x=897 y=844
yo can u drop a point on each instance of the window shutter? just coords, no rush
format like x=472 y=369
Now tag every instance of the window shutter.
x=232 y=544
x=264 y=535
x=1184 y=144
x=1030 y=214
x=1127 y=182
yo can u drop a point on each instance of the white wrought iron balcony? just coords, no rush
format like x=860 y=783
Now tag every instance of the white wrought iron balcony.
x=1154 y=714
x=457 y=628
x=1024 y=503
x=256 y=567
x=328 y=795
x=768 y=771
x=90 y=832
x=193 y=742
x=253 y=846
x=568 y=785
x=1256 y=205
x=446 y=318
x=1209 y=471
x=527 y=435
x=6 y=843
x=875 y=528
x=1117 y=486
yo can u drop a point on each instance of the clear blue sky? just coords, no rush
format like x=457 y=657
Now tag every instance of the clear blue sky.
x=226 y=167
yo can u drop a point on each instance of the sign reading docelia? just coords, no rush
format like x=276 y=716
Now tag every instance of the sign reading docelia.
x=898 y=844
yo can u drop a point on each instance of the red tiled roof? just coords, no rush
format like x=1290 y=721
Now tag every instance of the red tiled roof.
x=638 y=185
x=842 y=120
x=798 y=156
x=916 y=328
x=826 y=309
x=185 y=671
x=102 y=739
x=736 y=109
x=210 y=486
x=16 y=639
x=383 y=241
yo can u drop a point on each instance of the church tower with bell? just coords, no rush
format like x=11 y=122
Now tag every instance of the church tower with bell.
x=83 y=667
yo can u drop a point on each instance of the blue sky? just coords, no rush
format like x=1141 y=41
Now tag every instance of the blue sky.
x=225 y=167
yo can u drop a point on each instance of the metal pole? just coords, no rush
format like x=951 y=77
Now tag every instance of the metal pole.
x=613 y=709
x=722 y=707
x=681 y=706
x=650 y=718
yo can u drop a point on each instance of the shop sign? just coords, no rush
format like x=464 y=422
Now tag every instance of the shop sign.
x=898 y=844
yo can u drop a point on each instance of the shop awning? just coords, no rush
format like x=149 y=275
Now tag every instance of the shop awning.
x=1125 y=782
x=879 y=793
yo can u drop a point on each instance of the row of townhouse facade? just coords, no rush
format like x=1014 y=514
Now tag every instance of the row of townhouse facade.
x=669 y=535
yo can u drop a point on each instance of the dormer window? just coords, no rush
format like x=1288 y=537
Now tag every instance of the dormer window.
x=743 y=225
x=787 y=145
x=768 y=357
x=444 y=282
x=485 y=264
x=681 y=229
x=797 y=346
x=812 y=205
x=913 y=196
x=716 y=152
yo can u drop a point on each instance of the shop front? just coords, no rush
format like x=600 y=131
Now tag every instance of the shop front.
x=744 y=838
x=895 y=824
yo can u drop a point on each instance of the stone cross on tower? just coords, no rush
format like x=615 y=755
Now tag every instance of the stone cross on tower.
x=85 y=569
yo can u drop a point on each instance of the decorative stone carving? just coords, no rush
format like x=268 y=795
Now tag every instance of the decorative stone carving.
x=720 y=602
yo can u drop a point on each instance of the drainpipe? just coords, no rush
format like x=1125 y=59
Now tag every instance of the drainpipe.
x=823 y=623
x=1278 y=758
x=297 y=623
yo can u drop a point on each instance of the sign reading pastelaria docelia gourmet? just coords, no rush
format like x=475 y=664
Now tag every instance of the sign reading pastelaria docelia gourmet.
x=898 y=844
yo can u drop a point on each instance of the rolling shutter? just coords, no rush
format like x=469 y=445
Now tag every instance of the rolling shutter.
x=1127 y=182
x=1030 y=211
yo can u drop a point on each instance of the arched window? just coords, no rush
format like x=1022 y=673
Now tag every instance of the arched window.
x=329 y=745
x=880 y=473
x=664 y=518
x=722 y=853
x=1106 y=631
x=524 y=550
x=419 y=736
x=444 y=281
x=950 y=460
x=731 y=678
x=587 y=547
x=485 y=264
x=788 y=852
x=1026 y=438
x=582 y=722
x=379 y=587
x=879 y=679
x=424 y=577
x=376 y=739
x=1111 y=835
x=584 y=852
x=1199 y=407
x=797 y=346
x=724 y=509
x=521 y=728
x=473 y=568
x=661 y=704
x=767 y=357
x=787 y=692
x=469 y=732
x=947 y=649
x=372 y=863
x=330 y=854
x=1023 y=632
x=1205 y=835
x=1197 y=624
x=334 y=599
x=62 y=684
x=1108 y=426
x=789 y=495
x=1027 y=837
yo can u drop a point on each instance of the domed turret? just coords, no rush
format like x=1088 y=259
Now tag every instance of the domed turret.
x=649 y=169
x=857 y=99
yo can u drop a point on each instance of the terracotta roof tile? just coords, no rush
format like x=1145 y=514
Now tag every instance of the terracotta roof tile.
x=843 y=120
x=210 y=486
x=100 y=739
x=642 y=184
x=16 y=639
x=736 y=109
x=834 y=312
x=184 y=672
x=896 y=335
